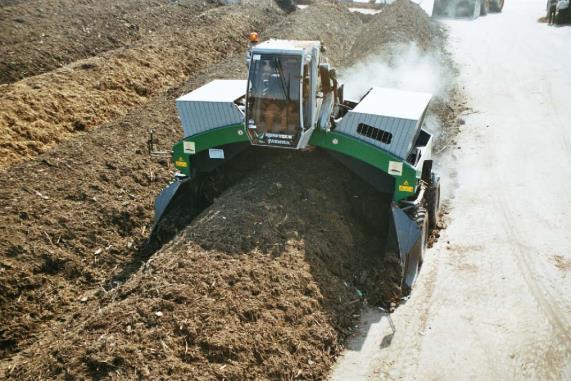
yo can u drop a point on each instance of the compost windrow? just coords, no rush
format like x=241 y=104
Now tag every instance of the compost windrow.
x=39 y=36
x=41 y=111
x=265 y=283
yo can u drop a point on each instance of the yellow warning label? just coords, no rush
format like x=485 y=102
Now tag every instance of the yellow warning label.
x=405 y=187
x=181 y=163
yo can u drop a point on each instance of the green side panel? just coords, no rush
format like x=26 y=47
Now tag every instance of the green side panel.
x=405 y=184
x=183 y=150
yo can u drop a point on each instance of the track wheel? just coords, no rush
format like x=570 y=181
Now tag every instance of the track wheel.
x=484 y=7
x=473 y=9
x=433 y=201
x=496 y=5
x=416 y=256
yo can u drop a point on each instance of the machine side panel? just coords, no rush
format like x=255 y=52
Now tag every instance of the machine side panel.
x=405 y=183
x=200 y=116
x=402 y=131
x=185 y=149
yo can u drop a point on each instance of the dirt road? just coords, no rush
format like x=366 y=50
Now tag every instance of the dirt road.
x=493 y=300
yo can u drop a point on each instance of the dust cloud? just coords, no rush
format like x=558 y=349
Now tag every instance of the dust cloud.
x=405 y=68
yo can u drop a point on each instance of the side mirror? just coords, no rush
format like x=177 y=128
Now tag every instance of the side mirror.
x=426 y=171
x=340 y=93
x=324 y=73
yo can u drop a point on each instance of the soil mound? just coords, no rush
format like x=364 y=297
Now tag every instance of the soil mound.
x=260 y=285
x=393 y=31
x=73 y=217
x=401 y=22
x=334 y=25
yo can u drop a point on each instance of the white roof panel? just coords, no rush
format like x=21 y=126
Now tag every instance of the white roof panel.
x=286 y=44
x=219 y=90
x=394 y=103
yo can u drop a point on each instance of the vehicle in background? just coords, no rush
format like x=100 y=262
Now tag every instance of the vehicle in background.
x=466 y=8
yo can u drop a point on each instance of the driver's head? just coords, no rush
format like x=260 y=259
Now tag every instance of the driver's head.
x=265 y=70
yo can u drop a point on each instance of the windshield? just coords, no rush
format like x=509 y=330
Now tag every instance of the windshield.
x=273 y=112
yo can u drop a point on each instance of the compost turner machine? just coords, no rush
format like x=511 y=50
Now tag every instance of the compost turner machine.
x=471 y=9
x=292 y=100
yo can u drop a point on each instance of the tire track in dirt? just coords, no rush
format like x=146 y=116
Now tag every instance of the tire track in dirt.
x=560 y=125
x=546 y=358
x=522 y=257
x=415 y=323
x=521 y=254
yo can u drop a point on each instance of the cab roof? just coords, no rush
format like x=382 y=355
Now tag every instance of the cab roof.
x=286 y=45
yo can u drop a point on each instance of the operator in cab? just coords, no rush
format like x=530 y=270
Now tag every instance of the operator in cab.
x=274 y=94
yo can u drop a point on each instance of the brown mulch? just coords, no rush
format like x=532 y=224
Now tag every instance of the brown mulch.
x=42 y=35
x=263 y=284
x=39 y=112
x=400 y=22
x=83 y=209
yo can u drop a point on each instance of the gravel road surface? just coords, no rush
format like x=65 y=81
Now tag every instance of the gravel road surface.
x=494 y=299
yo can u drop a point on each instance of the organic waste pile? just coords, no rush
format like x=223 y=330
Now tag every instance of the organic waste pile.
x=40 y=111
x=77 y=214
x=264 y=283
x=400 y=23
